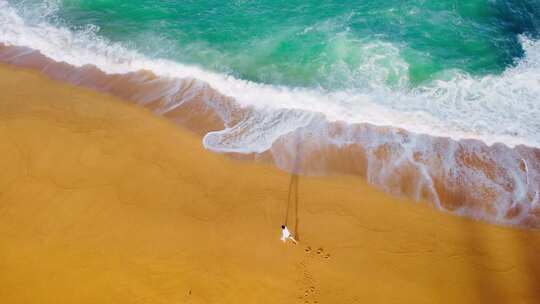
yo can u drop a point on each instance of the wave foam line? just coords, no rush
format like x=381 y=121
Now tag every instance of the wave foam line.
x=494 y=108
x=317 y=132
x=467 y=177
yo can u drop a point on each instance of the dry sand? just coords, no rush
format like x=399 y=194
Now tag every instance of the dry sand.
x=102 y=202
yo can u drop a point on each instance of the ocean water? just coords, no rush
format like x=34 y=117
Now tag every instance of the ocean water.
x=464 y=69
x=328 y=44
x=459 y=70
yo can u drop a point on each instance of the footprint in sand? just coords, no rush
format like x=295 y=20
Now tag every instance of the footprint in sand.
x=306 y=284
x=320 y=252
x=308 y=292
x=310 y=295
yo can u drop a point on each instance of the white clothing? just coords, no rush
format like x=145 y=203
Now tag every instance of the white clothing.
x=285 y=234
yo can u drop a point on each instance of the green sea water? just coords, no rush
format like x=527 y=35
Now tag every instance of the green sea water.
x=325 y=44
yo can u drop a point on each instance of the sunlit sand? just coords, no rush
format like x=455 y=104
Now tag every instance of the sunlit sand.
x=103 y=202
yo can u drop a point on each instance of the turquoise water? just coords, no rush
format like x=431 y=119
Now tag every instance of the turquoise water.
x=328 y=44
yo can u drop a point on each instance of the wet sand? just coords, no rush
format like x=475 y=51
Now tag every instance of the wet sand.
x=103 y=202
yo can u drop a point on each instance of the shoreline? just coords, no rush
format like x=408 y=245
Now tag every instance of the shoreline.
x=494 y=183
x=101 y=201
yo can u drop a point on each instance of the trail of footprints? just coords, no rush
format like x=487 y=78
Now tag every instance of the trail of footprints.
x=309 y=293
x=320 y=252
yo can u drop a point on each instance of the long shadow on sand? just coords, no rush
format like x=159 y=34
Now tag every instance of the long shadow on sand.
x=292 y=203
x=293 y=196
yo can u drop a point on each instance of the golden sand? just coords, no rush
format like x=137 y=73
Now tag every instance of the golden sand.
x=102 y=202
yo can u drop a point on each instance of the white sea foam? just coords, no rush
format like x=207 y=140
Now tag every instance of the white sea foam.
x=494 y=108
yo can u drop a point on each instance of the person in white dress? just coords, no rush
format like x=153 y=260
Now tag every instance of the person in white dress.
x=286 y=235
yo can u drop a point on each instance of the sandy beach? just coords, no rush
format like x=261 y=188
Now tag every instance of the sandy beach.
x=103 y=202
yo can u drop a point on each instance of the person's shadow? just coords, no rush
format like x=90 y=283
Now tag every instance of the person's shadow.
x=292 y=198
x=292 y=205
